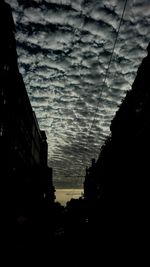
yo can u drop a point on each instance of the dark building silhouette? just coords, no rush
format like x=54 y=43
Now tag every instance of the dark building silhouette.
x=89 y=183
x=120 y=177
x=26 y=180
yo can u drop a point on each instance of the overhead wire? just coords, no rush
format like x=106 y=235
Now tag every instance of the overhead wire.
x=107 y=70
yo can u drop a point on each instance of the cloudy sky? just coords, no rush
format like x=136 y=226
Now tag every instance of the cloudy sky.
x=64 y=49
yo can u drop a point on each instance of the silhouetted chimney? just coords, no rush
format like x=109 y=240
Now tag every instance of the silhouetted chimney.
x=93 y=162
x=148 y=49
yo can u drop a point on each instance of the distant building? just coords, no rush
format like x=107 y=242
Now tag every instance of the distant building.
x=90 y=183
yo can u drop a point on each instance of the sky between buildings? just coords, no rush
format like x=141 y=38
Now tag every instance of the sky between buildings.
x=64 y=49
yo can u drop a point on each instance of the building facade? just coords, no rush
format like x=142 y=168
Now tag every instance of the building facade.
x=119 y=209
x=26 y=178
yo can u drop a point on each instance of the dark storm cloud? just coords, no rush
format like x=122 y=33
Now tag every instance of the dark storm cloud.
x=64 y=48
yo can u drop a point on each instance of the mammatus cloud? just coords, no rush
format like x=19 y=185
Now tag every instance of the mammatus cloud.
x=64 y=48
